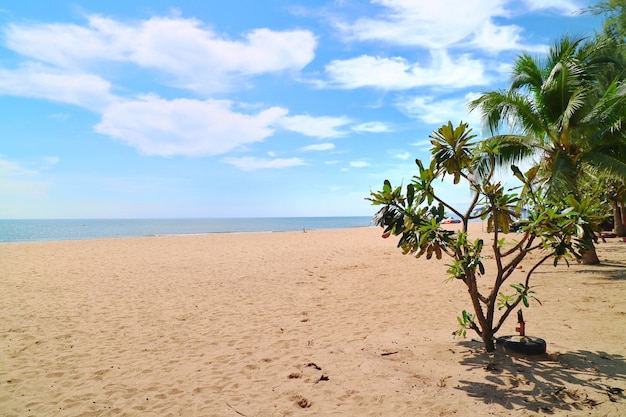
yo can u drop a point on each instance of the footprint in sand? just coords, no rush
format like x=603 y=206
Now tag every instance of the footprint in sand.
x=301 y=401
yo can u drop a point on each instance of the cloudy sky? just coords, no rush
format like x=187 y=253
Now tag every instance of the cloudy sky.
x=245 y=108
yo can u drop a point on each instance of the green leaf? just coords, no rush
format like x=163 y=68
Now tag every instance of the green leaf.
x=518 y=173
x=410 y=194
x=387 y=187
x=580 y=231
x=468 y=316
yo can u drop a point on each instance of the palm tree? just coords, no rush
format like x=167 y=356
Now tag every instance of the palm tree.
x=619 y=209
x=614 y=30
x=559 y=112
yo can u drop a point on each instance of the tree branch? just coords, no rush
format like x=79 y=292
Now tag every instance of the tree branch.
x=506 y=314
x=537 y=265
x=446 y=205
x=517 y=246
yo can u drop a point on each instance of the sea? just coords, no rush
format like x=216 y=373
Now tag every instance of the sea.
x=79 y=229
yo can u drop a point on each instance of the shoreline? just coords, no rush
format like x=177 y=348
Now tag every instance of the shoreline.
x=182 y=235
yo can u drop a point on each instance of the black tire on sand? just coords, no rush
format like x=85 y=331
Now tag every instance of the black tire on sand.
x=526 y=345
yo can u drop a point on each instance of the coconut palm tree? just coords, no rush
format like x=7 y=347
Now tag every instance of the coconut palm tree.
x=557 y=111
x=619 y=208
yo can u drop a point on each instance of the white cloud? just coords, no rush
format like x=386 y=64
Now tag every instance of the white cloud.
x=72 y=46
x=19 y=182
x=450 y=23
x=372 y=127
x=422 y=144
x=66 y=58
x=204 y=62
x=319 y=147
x=156 y=126
x=196 y=57
x=414 y=23
x=249 y=163
x=433 y=111
x=319 y=127
x=493 y=38
x=13 y=169
x=37 y=81
x=359 y=164
x=60 y=116
x=49 y=161
x=566 y=7
x=398 y=73
x=404 y=155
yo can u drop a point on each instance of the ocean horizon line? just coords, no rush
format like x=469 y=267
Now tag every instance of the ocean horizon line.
x=38 y=230
x=181 y=218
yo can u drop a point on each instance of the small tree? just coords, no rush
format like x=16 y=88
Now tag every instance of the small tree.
x=558 y=229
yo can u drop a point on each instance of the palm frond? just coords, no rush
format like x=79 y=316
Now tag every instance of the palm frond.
x=504 y=151
x=611 y=106
x=527 y=73
x=575 y=103
x=561 y=172
x=565 y=105
x=605 y=164
x=511 y=111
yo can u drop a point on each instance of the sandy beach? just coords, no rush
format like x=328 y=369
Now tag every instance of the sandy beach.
x=322 y=323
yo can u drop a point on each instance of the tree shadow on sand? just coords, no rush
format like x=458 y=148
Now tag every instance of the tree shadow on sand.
x=579 y=380
x=609 y=270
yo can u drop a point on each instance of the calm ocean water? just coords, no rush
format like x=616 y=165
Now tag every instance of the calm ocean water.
x=47 y=230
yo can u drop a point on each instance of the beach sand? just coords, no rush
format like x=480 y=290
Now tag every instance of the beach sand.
x=322 y=323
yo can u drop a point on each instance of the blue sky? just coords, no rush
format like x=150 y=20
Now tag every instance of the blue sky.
x=245 y=108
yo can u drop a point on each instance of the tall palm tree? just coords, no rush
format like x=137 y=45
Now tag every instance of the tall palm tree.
x=614 y=30
x=557 y=110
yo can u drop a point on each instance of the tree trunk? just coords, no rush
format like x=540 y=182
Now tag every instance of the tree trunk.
x=490 y=346
x=618 y=223
x=589 y=257
x=622 y=210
